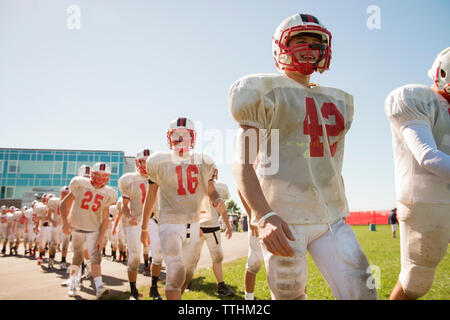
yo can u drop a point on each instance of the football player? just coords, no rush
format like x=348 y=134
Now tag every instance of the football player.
x=56 y=229
x=29 y=236
x=42 y=225
x=420 y=124
x=184 y=180
x=88 y=201
x=118 y=232
x=4 y=227
x=19 y=233
x=133 y=187
x=298 y=198
x=210 y=233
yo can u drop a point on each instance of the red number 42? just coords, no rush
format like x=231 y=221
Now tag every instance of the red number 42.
x=312 y=127
x=88 y=199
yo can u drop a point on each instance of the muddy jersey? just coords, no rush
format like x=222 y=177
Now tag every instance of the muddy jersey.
x=3 y=221
x=86 y=211
x=54 y=205
x=212 y=220
x=183 y=185
x=303 y=184
x=418 y=104
x=134 y=186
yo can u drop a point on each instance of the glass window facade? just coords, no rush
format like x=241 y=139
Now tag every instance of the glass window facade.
x=24 y=172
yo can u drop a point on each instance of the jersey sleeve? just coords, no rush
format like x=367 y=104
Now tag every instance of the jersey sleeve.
x=223 y=191
x=152 y=167
x=124 y=186
x=248 y=105
x=75 y=185
x=112 y=196
x=208 y=166
x=406 y=106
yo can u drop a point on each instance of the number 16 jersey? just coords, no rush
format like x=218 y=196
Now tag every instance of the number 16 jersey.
x=86 y=211
x=183 y=185
x=309 y=127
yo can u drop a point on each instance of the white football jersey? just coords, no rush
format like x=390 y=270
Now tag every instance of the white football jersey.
x=3 y=220
x=418 y=104
x=211 y=220
x=31 y=216
x=20 y=219
x=311 y=124
x=114 y=211
x=134 y=186
x=86 y=211
x=183 y=185
x=41 y=211
x=53 y=204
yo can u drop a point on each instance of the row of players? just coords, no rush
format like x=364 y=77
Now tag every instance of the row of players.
x=40 y=228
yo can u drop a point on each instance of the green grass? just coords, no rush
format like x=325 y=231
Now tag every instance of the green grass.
x=379 y=246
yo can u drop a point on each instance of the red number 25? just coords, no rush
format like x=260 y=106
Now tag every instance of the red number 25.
x=88 y=199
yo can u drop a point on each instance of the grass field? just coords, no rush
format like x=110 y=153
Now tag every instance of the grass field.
x=380 y=248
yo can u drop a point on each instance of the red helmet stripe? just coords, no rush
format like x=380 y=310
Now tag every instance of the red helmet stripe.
x=102 y=167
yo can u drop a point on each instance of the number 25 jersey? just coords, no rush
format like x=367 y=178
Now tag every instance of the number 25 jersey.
x=183 y=185
x=86 y=211
x=311 y=123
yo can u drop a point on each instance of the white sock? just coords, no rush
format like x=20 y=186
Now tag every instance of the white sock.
x=74 y=271
x=88 y=265
x=249 y=296
x=98 y=282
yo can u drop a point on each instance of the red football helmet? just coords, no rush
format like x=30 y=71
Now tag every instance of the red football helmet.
x=141 y=157
x=100 y=174
x=181 y=134
x=284 y=55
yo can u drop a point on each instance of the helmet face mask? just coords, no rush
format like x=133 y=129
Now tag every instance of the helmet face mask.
x=181 y=135
x=141 y=158
x=440 y=73
x=317 y=55
x=100 y=175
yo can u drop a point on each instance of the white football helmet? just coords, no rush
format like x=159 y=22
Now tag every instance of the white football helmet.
x=181 y=134
x=63 y=192
x=100 y=174
x=141 y=157
x=84 y=171
x=440 y=72
x=284 y=55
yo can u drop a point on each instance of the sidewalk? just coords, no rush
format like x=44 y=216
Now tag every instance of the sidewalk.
x=22 y=279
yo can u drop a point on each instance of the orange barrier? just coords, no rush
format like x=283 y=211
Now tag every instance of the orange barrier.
x=367 y=217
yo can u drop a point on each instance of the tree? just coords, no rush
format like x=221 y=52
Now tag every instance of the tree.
x=233 y=208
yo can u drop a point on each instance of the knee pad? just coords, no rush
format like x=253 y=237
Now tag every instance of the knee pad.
x=254 y=263
x=287 y=277
x=78 y=257
x=216 y=254
x=176 y=273
x=417 y=280
x=133 y=263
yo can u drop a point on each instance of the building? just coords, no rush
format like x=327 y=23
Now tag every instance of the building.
x=25 y=172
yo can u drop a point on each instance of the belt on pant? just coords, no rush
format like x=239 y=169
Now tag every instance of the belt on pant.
x=211 y=230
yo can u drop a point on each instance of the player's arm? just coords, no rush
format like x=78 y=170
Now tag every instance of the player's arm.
x=274 y=231
x=149 y=203
x=103 y=228
x=117 y=221
x=220 y=206
x=64 y=208
x=126 y=211
x=420 y=141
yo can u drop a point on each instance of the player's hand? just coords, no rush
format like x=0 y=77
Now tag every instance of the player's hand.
x=132 y=221
x=66 y=228
x=275 y=232
x=254 y=230
x=145 y=238
x=229 y=233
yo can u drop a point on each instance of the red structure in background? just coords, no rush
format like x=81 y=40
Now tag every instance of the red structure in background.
x=367 y=217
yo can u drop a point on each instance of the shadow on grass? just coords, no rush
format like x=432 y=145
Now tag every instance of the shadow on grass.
x=199 y=284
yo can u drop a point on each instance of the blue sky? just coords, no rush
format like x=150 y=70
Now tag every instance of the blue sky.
x=133 y=66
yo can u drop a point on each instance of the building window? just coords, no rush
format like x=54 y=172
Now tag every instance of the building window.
x=9 y=192
x=57 y=167
x=71 y=168
x=1 y=166
x=13 y=166
x=114 y=168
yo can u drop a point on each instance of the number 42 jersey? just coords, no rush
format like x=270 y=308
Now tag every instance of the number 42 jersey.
x=309 y=125
x=86 y=211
